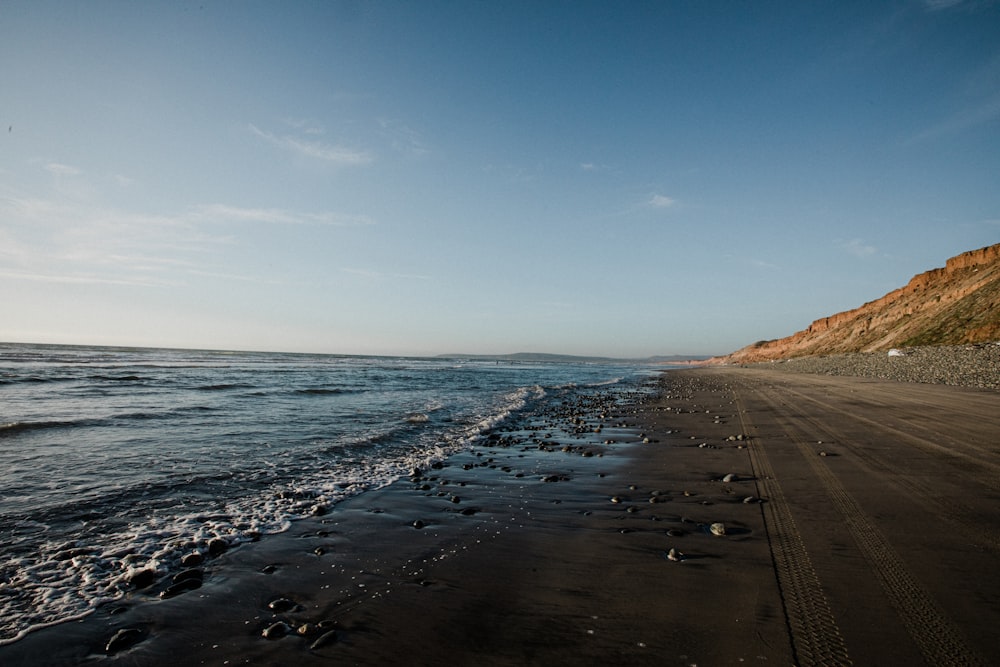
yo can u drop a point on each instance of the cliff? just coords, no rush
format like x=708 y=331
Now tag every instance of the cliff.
x=957 y=304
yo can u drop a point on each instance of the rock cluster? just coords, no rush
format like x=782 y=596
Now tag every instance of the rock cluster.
x=958 y=365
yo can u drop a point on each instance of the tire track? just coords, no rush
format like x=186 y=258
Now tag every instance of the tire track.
x=960 y=459
x=937 y=638
x=945 y=507
x=816 y=639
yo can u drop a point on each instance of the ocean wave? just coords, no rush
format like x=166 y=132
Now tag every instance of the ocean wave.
x=117 y=378
x=11 y=429
x=605 y=383
x=325 y=391
x=225 y=387
x=417 y=418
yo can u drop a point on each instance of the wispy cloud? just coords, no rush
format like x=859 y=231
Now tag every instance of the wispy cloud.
x=66 y=241
x=859 y=248
x=985 y=111
x=938 y=5
x=761 y=264
x=226 y=213
x=661 y=201
x=60 y=169
x=379 y=275
x=314 y=149
x=305 y=125
x=402 y=137
x=83 y=279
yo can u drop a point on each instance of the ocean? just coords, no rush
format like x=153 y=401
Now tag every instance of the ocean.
x=118 y=460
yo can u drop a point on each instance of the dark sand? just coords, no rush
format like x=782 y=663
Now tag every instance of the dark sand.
x=877 y=543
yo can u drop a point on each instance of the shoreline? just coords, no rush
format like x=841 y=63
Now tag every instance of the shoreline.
x=877 y=545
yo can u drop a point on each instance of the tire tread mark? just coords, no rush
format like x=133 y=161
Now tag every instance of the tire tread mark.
x=963 y=460
x=936 y=637
x=948 y=508
x=816 y=639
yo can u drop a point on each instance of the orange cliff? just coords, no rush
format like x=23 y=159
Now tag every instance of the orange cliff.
x=957 y=304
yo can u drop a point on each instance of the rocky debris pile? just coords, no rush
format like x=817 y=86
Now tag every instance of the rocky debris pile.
x=960 y=365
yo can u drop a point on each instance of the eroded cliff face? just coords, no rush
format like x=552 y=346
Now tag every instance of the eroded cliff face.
x=957 y=304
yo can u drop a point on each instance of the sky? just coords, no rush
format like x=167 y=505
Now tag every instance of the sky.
x=606 y=178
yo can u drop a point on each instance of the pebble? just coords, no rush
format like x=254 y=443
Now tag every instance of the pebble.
x=281 y=605
x=216 y=546
x=180 y=587
x=675 y=555
x=142 y=578
x=275 y=630
x=717 y=529
x=192 y=559
x=731 y=477
x=123 y=639
x=325 y=639
x=184 y=575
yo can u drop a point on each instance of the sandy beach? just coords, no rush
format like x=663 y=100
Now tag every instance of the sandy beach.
x=858 y=523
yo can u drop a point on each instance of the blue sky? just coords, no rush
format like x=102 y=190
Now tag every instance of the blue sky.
x=610 y=178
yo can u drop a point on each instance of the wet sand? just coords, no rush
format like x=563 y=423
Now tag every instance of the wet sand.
x=862 y=526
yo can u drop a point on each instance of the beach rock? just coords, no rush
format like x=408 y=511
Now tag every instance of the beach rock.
x=281 y=605
x=184 y=575
x=142 y=578
x=418 y=524
x=192 y=559
x=275 y=630
x=325 y=639
x=217 y=546
x=675 y=555
x=731 y=477
x=123 y=639
x=180 y=587
x=717 y=529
